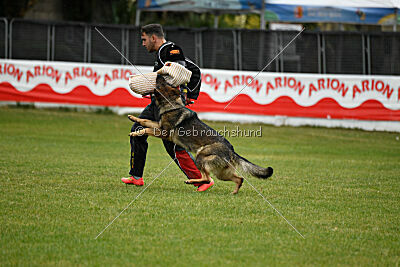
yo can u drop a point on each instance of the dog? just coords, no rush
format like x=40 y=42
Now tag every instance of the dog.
x=180 y=125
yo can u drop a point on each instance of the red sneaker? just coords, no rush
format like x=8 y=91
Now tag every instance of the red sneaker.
x=204 y=187
x=133 y=180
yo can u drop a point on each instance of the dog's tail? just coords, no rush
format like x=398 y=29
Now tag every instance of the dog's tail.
x=253 y=169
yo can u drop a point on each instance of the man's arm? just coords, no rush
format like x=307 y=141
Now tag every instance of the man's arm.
x=174 y=53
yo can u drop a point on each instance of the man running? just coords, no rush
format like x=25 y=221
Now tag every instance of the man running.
x=153 y=40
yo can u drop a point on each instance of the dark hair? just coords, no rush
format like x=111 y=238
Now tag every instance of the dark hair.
x=151 y=29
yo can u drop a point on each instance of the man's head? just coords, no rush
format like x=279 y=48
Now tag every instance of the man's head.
x=152 y=37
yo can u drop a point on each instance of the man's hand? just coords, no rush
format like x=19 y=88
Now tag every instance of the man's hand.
x=188 y=102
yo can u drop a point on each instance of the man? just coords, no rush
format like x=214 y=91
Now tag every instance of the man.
x=153 y=40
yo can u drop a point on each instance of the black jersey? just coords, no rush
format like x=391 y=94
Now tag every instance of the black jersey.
x=168 y=52
x=173 y=53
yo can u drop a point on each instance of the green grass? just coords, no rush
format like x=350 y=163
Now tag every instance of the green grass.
x=60 y=186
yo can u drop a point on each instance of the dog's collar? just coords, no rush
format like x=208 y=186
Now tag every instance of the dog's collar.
x=169 y=111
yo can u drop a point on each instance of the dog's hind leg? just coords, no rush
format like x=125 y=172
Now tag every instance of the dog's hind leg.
x=205 y=178
x=239 y=181
x=204 y=168
x=228 y=174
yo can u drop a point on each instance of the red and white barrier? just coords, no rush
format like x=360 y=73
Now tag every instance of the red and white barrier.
x=355 y=101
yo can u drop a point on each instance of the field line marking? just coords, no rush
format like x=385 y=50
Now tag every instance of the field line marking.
x=266 y=200
x=266 y=66
x=144 y=189
x=105 y=38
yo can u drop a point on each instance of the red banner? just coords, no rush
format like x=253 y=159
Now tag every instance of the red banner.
x=269 y=94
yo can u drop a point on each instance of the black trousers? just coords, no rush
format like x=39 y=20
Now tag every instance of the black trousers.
x=139 y=147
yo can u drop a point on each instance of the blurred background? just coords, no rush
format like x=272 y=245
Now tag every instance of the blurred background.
x=341 y=37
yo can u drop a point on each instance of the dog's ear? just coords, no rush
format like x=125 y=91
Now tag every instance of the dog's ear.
x=162 y=85
x=160 y=80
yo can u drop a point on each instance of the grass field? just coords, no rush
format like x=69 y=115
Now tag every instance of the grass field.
x=60 y=186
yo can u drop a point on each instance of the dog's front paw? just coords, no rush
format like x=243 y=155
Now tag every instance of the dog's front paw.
x=138 y=133
x=188 y=182
x=133 y=118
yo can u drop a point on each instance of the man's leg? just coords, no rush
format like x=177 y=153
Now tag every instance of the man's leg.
x=182 y=158
x=186 y=163
x=139 y=147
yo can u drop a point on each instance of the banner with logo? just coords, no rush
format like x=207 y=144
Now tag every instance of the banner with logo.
x=199 y=5
x=304 y=13
x=375 y=98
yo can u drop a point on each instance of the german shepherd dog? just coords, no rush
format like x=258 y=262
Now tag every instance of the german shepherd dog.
x=214 y=154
